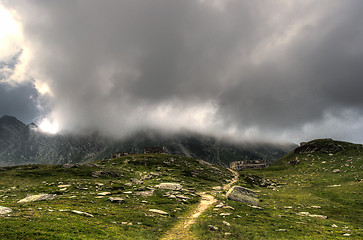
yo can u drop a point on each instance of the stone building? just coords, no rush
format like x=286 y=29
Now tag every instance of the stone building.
x=245 y=164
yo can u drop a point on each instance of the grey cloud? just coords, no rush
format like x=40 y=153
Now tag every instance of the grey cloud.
x=111 y=64
x=19 y=101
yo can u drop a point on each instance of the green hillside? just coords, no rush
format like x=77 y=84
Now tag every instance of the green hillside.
x=323 y=179
x=314 y=192
x=80 y=187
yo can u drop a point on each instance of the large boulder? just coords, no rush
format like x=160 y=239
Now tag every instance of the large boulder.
x=242 y=194
x=39 y=197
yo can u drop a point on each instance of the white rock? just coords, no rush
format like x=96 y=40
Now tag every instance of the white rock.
x=226 y=223
x=158 y=211
x=170 y=186
x=103 y=193
x=82 y=213
x=39 y=197
x=5 y=210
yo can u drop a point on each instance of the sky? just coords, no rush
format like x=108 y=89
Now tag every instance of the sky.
x=261 y=70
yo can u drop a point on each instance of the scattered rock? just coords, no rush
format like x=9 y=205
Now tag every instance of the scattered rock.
x=311 y=215
x=136 y=181
x=82 y=213
x=280 y=230
x=212 y=228
x=325 y=147
x=336 y=171
x=170 y=186
x=219 y=205
x=97 y=174
x=256 y=207
x=158 y=211
x=5 y=210
x=318 y=207
x=259 y=181
x=104 y=193
x=226 y=223
x=346 y=234
x=241 y=194
x=334 y=226
x=70 y=165
x=217 y=188
x=225 y=214
x=116 y=200
x=39 y=197
x=145 y=193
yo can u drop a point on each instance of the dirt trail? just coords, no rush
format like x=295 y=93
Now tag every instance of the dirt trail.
x=181 y=230
x=234 y=180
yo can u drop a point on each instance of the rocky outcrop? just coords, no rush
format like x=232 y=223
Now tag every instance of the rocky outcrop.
x=329 y=147
x=242 y=194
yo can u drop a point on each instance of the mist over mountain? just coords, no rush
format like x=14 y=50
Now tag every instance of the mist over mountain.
x=26 y=144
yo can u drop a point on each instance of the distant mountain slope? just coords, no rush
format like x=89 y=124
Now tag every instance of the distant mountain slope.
x=324 y=155
x=24 y=144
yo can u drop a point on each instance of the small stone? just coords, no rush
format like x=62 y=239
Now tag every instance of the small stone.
x=116 y=200
x=226 y=223
x=225 y=214
x=5 y=210
x=228 y=234
x=336 y=171
x=316 y=207
x=170 y=186
x=229 y=207
x=145 y=193
x=217 y=188
x=311 y=215
x=256 y=207
x=103 y=193
x=280 y=230
x=334 y=226
x=346 y=234
x=212 y=228
x=39 y=197
x=219 y=205
x=158 y=211
x=82 y=213
x=64 y=186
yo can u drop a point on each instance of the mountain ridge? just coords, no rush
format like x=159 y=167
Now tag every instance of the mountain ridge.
x=25 y=144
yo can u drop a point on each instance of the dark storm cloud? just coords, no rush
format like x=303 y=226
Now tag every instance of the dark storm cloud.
x=19 y=101
x=286 y=70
